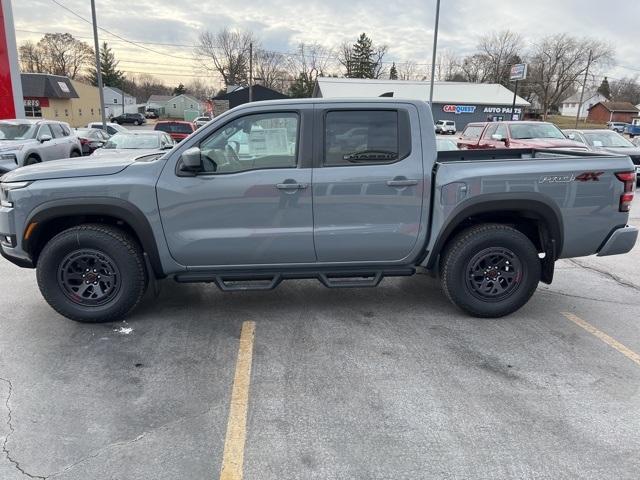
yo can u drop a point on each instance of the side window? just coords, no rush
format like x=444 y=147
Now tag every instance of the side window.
x=491 y=129
x=472 y=132
x=502 y=131
x=45 y=130
x=66 y=131
x=57 y=130
x=357 y=137
x=266 y=140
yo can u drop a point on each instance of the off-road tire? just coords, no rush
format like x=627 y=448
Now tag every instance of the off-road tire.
x=459 y=258
x=118 y=246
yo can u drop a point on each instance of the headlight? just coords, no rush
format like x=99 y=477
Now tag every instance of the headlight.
x=9 y=156
x=5 y=188
x=12 y=148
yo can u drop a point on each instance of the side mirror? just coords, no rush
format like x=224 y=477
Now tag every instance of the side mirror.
x=44 y=138
x=191 y=159
x=167 y=146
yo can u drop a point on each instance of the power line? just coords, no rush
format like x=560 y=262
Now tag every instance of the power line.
x=115 y=34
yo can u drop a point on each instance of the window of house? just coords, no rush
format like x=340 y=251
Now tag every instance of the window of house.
x=115 y=100
x=92 y=111
x=80 y=112
x=260 y=141
x=66 y=112
x=174 y=106
x=55 y=112
x=365 y=137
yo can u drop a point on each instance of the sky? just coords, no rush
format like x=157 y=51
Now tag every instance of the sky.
x=406 y=26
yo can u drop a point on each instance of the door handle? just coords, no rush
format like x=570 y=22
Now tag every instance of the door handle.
x=401 y=182
x=291 y=186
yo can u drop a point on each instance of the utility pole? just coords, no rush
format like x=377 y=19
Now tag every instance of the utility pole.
x=433 y=58
x=584 y=83
x=250 y=71
x=96 y=46
x=515 y=96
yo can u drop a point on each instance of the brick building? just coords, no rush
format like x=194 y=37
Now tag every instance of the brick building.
x=603 y=112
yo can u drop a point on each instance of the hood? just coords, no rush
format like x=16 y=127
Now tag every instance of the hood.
x=71 y=168
x=548 y=143
x=123 y=152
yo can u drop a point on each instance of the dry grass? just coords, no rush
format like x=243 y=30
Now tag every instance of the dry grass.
x=570 y=122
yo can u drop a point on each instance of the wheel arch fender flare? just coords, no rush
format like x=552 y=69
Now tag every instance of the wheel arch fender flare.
x=101 y=206
x=533 y=205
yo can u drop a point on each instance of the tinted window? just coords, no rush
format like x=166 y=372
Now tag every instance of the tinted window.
x=523 y=131
x=57 y=130
x=472 y=132
x=268 y=140
x=174 y=127
x=45 y=130
x=65 y=130
x=356 y=137
x=502 y=130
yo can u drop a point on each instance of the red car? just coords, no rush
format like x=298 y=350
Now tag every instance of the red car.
x=515 y=134
x=177 y=129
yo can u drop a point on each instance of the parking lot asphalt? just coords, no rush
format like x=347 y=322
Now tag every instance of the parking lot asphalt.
x=391 y=382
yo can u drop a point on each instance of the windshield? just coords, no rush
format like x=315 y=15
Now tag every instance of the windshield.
x=17 y=131
x=607 y=139
x=174 y=127
x=128 y=141
x=523 y=131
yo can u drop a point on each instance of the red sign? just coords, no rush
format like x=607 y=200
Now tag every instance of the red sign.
x=36 y=102
x=7 y=105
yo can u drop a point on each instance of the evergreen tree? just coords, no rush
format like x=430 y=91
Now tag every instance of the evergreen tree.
x=302 y=87
x=111 y=76
x=393 y=72
x=179 y=90
x=362 y=58
x=604 y=88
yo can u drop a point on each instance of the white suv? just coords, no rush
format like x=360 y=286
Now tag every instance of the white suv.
x=26 y=142
x=446 y=126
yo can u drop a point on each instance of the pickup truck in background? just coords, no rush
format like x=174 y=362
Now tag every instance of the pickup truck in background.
x=515 y=134
x=344 y=191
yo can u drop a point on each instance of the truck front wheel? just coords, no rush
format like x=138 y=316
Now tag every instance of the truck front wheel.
x=490 y=270
x=92 y=273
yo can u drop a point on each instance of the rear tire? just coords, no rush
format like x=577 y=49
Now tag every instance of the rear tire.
x=75 y=154
x=490 y=270
x=92 y=273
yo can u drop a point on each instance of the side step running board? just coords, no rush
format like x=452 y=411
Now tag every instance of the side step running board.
x=350 y=281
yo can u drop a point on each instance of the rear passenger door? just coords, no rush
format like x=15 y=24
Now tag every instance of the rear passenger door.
x=367 y=182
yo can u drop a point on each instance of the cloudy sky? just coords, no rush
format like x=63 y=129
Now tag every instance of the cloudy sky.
x=171 y=27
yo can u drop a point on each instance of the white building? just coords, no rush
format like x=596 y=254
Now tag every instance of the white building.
x=183 y=106
x=461 y=102
x=117 y=102
x=158 y=102
x=569 y=107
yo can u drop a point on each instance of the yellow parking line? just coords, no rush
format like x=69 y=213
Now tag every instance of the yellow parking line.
x=233 y=456
x=612 y=342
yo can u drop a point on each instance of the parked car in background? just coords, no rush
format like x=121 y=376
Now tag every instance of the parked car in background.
x=91 y=139
x=445 y=127
x=177 y=129
x=616 y=126
x=633 y=129
x=201 y=121
x=446 y=144
x=607 y=141
x=27 y=142
x=151 y=113
x=515 y=134
x=309 y=203
x=112 y=128
x=133 y=118
x=145 y=141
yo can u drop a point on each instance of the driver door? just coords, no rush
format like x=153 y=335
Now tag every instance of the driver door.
x=250 y=203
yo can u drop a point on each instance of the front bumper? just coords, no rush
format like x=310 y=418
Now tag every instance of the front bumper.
x=620 y=241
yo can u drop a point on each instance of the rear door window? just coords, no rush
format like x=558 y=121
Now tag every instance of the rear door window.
x=353 y=137
x=56 y=128
x=491 y=129
x=472 y=132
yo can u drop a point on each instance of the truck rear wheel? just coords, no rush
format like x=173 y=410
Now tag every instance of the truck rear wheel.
x=490 y=270
x=92 y=273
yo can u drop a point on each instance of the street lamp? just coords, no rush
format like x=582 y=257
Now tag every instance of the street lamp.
x=435 y=48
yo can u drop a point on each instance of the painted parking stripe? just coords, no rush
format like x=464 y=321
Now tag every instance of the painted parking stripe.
x=233 y=456
x=612 y=342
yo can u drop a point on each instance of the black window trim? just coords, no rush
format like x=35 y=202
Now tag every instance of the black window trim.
x=297 y=113
x=406 y=153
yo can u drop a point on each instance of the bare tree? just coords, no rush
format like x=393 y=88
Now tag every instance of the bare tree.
x=474 y=68
x=626 y=90
x=308 y=63
x=447 y=66
x=557 y=64
x=270 y=69
x=199 y=89
x=56 y=54
x=409 y=71
x=31 y=58
x=226 y=53
x=500 y=50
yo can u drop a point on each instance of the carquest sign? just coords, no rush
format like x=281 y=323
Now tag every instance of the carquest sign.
x=458 y=109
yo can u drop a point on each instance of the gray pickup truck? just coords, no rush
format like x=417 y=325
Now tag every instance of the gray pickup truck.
x=347 y=192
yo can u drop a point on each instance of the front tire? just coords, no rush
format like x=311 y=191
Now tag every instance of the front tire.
x=92 y=273
x=31 y=160
x=490 y=270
